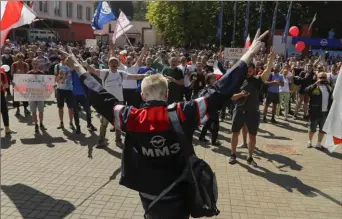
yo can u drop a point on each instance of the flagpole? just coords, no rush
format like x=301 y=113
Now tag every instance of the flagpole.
x=233 y=37
x=129 y=42
x=42 y=22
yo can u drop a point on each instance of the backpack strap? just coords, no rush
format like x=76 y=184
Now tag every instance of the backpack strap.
x=105 y=78
x=173 y=116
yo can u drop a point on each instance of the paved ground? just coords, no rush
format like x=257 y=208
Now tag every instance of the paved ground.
x=50 y=175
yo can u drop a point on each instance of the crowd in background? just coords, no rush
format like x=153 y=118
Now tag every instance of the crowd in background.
x=189 y=72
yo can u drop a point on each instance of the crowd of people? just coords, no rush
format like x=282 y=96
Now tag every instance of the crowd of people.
x=183 y=76
x=189 y=72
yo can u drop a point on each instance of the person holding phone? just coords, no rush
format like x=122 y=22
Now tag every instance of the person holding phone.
x=320 y=94
x=246 y=115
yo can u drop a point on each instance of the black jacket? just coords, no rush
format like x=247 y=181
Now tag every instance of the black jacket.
x=315 y=104
x=151 y=158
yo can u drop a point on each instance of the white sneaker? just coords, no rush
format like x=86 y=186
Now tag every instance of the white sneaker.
x=243 y=145
x=309 y=145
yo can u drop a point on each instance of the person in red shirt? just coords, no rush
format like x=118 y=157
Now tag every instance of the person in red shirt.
x=37 y=105
x=4 y=108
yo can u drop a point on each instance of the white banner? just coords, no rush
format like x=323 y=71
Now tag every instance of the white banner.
x=122 y=26
x=29 y=87
x=233 y=53
x=91 y=43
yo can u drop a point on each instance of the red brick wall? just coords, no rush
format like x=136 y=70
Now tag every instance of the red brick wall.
x=79 y=32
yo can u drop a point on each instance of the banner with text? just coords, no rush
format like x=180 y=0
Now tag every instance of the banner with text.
x=233 y=53
x=91 y=43
x=34 y=87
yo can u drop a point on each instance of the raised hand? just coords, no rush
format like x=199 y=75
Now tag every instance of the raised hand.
x=256 y=46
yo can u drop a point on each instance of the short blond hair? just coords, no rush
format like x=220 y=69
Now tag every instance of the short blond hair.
x=154 y=87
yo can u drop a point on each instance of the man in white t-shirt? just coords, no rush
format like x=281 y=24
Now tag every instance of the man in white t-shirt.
x=187 y=70
x=112 y=80
x=130 y=86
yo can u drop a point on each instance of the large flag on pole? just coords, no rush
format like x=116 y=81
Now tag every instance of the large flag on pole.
x=287 y=25
x=122 y=26
x=260 y=16
x=274 y=20
x=333 y=123
x=102 y=15
x=234 y=24
x=14 y=14
x=245 y=34
x=219 y=26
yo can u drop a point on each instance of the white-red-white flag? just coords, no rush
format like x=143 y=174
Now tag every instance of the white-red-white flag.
x=248 y=42
x=14 y=14
x=333 y=124
x=122 y=26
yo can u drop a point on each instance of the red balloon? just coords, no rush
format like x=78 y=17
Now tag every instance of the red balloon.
x=294 y=31
x=300 y=46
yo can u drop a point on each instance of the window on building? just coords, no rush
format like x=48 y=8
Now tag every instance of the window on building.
x=69 y=9
x=79 y=12
x=43 y=6
x=57 y=7
x=88 y=14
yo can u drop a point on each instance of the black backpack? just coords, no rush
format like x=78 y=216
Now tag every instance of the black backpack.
x=197 y=173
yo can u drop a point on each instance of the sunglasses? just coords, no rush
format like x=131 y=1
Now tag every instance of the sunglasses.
x=322 y=77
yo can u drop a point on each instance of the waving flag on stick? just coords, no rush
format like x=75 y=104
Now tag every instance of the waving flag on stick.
x=313 y=20
x=122 y=26
x=333 y=124
x=14 y=14
x=248 y=42
x=103 y=15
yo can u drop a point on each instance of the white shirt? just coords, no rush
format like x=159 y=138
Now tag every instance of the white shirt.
x=332 y=78
x=325 y=97
x=130 y=84
x=286 y=87
x=113 y=83
x=189 y=69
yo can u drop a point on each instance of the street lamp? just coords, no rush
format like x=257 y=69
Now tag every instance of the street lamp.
x=70 y=34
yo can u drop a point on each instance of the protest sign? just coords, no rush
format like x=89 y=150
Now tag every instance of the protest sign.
x=29 y=87
x=233 y=53
x=91 y=43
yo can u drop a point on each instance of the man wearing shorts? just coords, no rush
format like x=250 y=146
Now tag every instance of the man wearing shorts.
x=37 y=105
x=272 y=95
x=246 y=112
x=320 y=94
x=64 y=91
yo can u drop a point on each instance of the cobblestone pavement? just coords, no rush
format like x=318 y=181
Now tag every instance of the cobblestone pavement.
x=50 y=175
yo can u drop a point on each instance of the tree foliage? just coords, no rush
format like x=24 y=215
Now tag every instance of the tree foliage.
x=195 y=22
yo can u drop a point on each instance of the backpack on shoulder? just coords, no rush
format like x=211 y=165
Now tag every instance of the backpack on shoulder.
x=202 y=180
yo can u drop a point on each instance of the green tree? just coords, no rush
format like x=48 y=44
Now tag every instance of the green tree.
x=195 y=22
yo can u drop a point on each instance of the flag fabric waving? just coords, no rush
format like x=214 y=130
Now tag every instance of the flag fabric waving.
x=219 y=26
x=122 y=26
x=274 y=20
x=103 y=15
x=234 y=24
x=245 y=34
x=313 y=20
x=260 y=16
x=14 y=14
x=248 y=42
x=287 y=25
x=333 y=123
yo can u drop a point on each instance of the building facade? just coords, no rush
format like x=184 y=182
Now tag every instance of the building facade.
x=70 y=20
x=141 y=32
